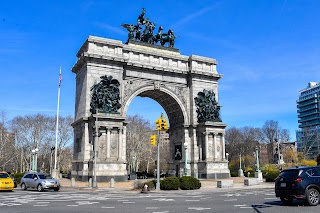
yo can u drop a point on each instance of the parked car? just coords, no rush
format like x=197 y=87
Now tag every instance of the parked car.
x=6 y=182
x=39 y=181
x=14 y=180
x=299 y=183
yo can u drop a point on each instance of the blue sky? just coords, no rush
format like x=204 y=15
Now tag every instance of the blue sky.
x=267 y=51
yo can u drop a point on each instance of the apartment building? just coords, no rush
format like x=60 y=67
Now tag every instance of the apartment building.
x=308 y=135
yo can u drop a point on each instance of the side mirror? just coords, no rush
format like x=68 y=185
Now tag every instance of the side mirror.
x=35 y=178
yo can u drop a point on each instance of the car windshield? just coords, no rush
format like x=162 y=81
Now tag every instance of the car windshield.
x=4 y=175
x=45 y=176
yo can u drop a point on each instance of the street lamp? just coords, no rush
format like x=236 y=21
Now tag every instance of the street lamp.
x=33 y=153
x=258 y=173
x=51 y=153
x=240 y=171
x=185 y=145
x=257 y=160
x=227 y=156
x=34 y=159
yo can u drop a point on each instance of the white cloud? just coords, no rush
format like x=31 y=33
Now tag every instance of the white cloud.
x=117 y=30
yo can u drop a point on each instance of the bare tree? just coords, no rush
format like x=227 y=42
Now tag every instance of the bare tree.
x=33 y=131
x=7 y=149
x=138 y=134
x=309 y=139
x=38 y=131
x=269 y=131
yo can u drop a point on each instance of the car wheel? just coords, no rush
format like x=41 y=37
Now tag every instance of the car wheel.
x=313 y=197
x=39 y=188
x=286 y=200
x=56 y=189
x=23 y=186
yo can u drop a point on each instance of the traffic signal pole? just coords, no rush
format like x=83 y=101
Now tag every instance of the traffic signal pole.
x=162 y=125
x=158 y=163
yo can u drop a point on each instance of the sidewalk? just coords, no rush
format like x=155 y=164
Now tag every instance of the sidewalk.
x=128 y=186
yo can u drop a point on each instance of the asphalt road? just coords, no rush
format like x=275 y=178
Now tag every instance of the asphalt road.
x=72 y=200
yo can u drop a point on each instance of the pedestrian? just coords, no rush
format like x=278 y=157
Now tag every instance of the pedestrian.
x=145 y=188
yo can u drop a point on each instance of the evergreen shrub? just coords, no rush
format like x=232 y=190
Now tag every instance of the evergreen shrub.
x=170 y=183
x=189 y=183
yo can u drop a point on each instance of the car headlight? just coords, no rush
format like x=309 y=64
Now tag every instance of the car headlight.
x=45 y=182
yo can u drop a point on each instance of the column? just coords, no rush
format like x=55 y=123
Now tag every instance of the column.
x=120 y=144
x=108 y=143
x=215 y=146
x=206 y=143
x=123 y=157
x=223 y=151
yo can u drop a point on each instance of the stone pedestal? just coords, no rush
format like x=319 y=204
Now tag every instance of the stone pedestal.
x=259 y=176
x=240 y=173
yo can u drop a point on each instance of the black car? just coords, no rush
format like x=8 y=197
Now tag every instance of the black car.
x=299 y=183
x=14 y=180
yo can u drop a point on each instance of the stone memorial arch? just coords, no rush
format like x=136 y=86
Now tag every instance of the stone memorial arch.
x=185 y=86
x=110 y=74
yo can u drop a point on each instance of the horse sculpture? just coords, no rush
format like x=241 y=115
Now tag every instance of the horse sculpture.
x=169 y=37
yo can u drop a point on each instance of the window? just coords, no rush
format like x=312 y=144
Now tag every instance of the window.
x=28 y=176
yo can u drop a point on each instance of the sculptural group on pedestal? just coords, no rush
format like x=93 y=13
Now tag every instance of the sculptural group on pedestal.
x=105 y=96
x=207 y=106
x=147 y=27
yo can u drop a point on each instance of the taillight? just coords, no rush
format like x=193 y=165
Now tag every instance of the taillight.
x=298 y=180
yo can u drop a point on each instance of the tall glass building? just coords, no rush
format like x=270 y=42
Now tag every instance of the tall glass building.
x=308 y=135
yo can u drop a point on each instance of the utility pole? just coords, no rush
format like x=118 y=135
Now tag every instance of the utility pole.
x=161 y=125
x=158 y=163
x=278 y=147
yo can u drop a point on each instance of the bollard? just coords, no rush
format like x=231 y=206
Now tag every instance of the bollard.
x=111 y=183
x=90 y=183
x=72 y=182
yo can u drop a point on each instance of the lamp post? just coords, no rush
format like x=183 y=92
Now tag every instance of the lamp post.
x=51 y=153
x=258 y=173
x=185 y=145
x=33 y=153
x=36 y=159
x=133 y=172
x=240 y=171
x=227 y=156
x=257 y=160
x=158 y=163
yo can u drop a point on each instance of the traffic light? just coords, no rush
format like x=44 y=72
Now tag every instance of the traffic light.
x=164 y=125
x=153 y=140
x=158 y=124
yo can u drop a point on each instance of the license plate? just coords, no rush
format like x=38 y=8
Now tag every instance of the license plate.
x=7 y=186
x=55 y=185
x=282 y=184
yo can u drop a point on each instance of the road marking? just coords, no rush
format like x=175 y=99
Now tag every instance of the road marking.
x=240 y=205
x=246 y=207
x=40 y=205
x=163 y=199
x=152 y=207
x=269 y=198
x=107 y=207
x=192 y=200
x=128 y=202
x=231 y=200
x=198 y=208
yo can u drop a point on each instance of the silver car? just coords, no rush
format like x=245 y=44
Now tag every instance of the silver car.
x=39 y=181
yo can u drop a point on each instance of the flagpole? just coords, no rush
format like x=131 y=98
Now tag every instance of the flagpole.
x=55 y=170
